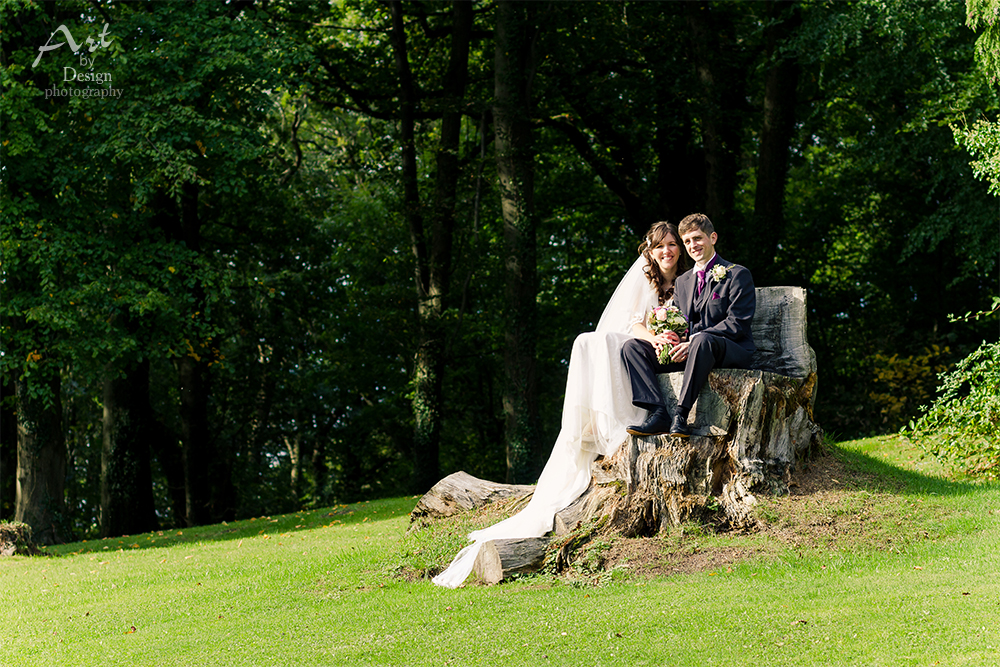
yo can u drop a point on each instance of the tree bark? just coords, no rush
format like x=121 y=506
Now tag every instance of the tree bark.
x=500 y=559
x=460 y=492
x=777 y=128
x=8 y=451
x=431 y=239
x=41 y=462
x=196 y=438
x=126 y=479
x=514 y=69
x=718 y=66
x=196 y=441
x=166 y=448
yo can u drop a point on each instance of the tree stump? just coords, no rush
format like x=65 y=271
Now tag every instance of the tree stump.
x=749 y=428
x=15 y=539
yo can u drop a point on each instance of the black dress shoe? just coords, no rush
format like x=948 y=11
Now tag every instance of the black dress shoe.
x=679 y=428
x=657 y=423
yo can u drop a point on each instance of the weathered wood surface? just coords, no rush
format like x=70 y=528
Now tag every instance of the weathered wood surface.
x=779 y=331
x=499 y=559
x=460 y=492
x=15 y=540
x=750 y=427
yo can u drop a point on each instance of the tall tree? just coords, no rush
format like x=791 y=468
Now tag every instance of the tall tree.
x=516 y=39
x=777 y=130
x=431 y=228
x=8 y=450
x=126 y=478
x=41 y=461
x=720 y=60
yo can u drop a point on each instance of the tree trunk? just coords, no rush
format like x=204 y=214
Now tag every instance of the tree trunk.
x=780 y=86
x=126 y=480
x=513 y=73
x=196 y=439
x=41 y=462
x=431 y=242
x=167 y=450
x=293 y=446
x=718 y=67
x=8 y=451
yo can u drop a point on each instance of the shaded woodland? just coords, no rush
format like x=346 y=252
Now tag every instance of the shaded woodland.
x=323 y=252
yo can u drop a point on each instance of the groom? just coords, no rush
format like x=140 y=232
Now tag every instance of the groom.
x=718 y=300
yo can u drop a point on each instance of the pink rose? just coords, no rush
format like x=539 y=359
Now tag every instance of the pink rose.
x=661 y=314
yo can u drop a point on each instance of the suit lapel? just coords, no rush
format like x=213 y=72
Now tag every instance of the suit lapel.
x=711 y=284
x=685 y=287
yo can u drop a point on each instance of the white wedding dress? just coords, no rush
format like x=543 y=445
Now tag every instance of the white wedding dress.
x=596 y=411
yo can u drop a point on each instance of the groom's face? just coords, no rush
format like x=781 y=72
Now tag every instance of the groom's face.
x=699 y=245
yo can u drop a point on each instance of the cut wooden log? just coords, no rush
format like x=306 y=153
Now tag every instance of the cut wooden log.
x=499 y=559
x=460 y=492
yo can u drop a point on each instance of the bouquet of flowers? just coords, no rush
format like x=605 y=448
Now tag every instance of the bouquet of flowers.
x=666 y=318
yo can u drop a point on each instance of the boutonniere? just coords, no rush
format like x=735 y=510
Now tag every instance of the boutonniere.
x=719 y=272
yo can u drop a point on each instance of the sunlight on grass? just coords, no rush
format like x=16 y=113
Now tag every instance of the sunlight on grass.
x=905 y=572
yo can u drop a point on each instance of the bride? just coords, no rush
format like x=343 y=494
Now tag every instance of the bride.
x=598 y=404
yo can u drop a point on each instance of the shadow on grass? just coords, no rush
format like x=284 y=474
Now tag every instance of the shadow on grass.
x=877 y=473
x=338 y=516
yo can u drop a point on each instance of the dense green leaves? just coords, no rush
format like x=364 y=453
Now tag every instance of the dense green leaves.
x=961 y=427
x=240 y=208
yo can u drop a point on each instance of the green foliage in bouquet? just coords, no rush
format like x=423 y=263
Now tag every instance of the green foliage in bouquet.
x=962 y=427
x=663 y=319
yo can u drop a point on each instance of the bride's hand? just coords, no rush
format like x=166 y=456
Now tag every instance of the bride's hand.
x=662 y=340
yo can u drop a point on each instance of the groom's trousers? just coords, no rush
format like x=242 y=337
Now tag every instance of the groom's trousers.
x=705 y=352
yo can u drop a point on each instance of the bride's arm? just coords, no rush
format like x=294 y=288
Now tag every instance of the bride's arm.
x=639 y=330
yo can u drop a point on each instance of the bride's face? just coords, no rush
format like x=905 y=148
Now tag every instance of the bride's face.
x=666 y=254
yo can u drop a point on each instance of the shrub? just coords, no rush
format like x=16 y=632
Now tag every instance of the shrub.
x=962 y=427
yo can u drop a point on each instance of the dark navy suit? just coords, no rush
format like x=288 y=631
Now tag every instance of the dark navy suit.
x=720 y=316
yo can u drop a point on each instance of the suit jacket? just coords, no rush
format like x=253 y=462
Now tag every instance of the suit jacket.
x=724 y=308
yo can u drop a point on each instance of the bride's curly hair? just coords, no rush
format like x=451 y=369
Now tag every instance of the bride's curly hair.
x=656 y=234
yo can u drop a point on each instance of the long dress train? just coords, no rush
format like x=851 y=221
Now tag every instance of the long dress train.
x=596 y=411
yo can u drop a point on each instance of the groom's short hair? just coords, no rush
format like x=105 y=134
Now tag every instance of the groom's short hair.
x=696 y=221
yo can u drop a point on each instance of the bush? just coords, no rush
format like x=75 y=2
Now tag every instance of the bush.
x=962 y=427
x=902 y=385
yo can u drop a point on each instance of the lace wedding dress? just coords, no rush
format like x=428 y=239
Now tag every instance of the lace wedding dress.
x=596 y=411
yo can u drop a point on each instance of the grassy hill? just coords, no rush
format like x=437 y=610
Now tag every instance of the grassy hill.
x=876 y=558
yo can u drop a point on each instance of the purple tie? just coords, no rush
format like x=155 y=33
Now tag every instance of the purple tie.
x=701 y=281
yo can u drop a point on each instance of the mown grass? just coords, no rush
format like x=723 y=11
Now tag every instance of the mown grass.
x=906 y=572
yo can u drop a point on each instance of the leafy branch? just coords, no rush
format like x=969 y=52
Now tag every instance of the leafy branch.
x=969 y=316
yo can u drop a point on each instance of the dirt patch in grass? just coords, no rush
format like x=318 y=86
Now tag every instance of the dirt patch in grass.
x=829 y=507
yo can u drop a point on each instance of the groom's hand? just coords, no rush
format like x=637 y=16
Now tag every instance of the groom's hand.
x=679 y=352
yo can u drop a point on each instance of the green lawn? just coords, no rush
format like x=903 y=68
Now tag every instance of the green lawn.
x=907 y=574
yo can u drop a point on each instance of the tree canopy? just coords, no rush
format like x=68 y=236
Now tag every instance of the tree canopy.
x=292 y=253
